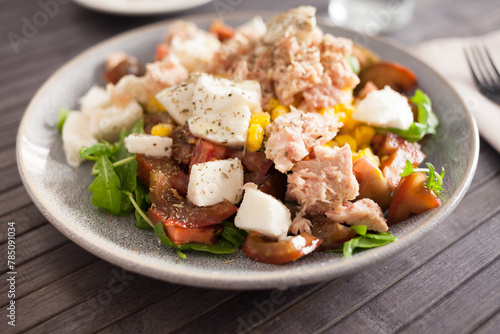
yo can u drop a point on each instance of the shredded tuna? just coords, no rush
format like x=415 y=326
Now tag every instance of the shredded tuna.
x=324 y=182
x=293 y=59
x=300 y=224
x=163 y=74
x=183 y=30
x=293 y=135
x=362 y=212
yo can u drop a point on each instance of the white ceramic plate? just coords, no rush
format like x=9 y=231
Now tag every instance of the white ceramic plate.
x=140 y=7
x=60 y=192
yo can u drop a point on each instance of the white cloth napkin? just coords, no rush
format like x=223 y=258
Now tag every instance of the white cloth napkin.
x=447 y=57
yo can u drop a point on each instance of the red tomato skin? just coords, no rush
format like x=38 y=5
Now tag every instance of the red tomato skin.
x=262 y=249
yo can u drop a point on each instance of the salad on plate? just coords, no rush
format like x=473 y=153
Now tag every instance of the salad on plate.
x=275 y=138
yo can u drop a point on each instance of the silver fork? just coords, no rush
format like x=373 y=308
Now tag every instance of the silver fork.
x=484 y=72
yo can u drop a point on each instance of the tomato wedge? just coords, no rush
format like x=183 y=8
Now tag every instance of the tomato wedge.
x=263 y=249
x=411 y=196
x=177 y=178
x=207 y=235
x=170 y=208
x=206 y=151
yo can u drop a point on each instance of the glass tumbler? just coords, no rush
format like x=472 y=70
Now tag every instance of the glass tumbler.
x=371 y=17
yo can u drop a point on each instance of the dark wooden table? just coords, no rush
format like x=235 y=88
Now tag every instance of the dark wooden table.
x=447 y=283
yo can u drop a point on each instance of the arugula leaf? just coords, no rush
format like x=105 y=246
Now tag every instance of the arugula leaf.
x=353 y=63
x=127 y=172
x=427 y=121
x=233 y=234
x=94 y=151
x=369 y=240
x=138 y=127
x=105 y=188
x=434 y=180
x=140 y=216
x=360 y=229
x=425 y=113
x=62 y=114
x=221 y=247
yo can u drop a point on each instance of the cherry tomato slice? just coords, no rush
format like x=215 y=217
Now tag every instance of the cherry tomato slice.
x=411 y=196
x=265 y=250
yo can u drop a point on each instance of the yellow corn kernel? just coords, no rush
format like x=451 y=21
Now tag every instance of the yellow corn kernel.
x=347 y=139
x=364 y=135
x=331 y=144
x=162 y=130
x=327 y=111
x=278 y=111
x=262 y=118
x=255 y=136
x=273 y=103
x=367 y=152
x=154 y=105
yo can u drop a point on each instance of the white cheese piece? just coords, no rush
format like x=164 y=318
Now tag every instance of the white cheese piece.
x=384 y=108
x=196 y=52
x=212 y=181
x=213 y=94
x=228 y=127
x=76 y=134
x=178 y=99
x=152 y=146
x=263 y=213
x=96 y=98
x=107 y=123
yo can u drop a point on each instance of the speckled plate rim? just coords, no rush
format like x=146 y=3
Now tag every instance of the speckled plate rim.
x=263 y=280
x=163 y=7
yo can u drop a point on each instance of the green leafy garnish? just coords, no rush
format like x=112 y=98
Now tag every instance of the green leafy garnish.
x=142 y=220
x=360 y=229
x=106 y=193
x=94 y=151
x=233 y=234
x=353 y=63
x=364 y=240
x=62 y=114
x=427 y=121
x=434 y=179
x=221 y=247
x=368 y=240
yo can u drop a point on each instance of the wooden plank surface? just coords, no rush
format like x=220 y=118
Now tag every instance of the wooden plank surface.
x=449 y=282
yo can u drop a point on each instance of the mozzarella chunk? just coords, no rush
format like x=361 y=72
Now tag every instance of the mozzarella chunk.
x=107 y=123
x=76 y=134
x=178 y=99
x=228 y=127
x=216 y=94
x=152 y=146
x=196 y=52
x=96 y=98
x=212 y=181
x=263 y=213
x=384 y=108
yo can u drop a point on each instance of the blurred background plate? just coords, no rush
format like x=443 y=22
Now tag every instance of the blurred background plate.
x=140 y=7
x=60 y=192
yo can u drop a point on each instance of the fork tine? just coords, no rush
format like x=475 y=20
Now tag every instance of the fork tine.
x=492 y=63
x=483 y=70
x=474 y=76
